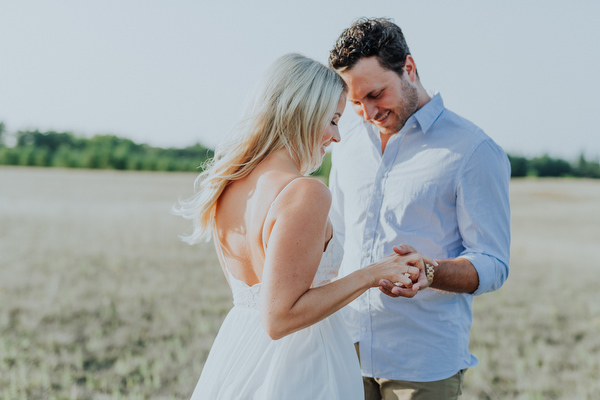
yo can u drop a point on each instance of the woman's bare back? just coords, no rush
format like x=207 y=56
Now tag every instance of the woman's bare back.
x=241 y=217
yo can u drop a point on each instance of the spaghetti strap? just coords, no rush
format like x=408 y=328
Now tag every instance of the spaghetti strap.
x=273 y=202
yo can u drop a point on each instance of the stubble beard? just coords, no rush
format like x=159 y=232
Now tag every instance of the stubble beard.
x=409 y=104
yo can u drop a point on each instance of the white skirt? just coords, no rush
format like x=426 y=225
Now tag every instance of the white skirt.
x=316 y=363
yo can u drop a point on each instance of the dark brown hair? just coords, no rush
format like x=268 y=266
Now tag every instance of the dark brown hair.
x=368 y=37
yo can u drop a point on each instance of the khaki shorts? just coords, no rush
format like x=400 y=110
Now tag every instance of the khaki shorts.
x=386 y=389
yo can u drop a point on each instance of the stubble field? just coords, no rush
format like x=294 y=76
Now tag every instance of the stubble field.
x=100 y=300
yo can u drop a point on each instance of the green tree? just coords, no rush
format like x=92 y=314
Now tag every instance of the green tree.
x=64 y=157
x=41 y=157
x=586 y=169
x=324 y=169
x=9 y=156
x=26 y=155
x=121 y=153
x=546 y=166
x=134 y=162
x=519 y=166
x=2 y=131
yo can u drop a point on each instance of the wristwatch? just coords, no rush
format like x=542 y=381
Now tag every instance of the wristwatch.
x=429 y=271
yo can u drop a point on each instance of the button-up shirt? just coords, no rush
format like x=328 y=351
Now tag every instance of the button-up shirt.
x=441 y=186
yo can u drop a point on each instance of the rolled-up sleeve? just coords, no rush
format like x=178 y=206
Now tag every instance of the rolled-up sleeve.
x=483 y=212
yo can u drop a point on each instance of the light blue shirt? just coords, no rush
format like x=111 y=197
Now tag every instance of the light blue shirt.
x=441 y=186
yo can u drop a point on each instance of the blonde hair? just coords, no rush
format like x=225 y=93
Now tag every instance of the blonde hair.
x=297 y=99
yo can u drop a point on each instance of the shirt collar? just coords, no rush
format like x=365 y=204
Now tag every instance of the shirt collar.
x=430 y=112
x=424 y=116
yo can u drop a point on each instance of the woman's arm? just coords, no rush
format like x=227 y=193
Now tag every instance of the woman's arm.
x=294 y=250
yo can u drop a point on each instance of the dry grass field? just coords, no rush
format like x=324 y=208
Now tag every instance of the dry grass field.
x=100 y=300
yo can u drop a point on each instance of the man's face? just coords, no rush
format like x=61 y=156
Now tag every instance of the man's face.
x=380 y=96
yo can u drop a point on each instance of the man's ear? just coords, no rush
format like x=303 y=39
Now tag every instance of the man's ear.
x=411 y=68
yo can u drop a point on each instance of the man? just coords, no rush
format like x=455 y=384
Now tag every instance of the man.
x=413 y=172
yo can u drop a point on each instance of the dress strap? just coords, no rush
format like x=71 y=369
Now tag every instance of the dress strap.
x=273 y=202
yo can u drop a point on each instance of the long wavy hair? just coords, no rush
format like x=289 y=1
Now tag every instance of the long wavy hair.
x=295 y=101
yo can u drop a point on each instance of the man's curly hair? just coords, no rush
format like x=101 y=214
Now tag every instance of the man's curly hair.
x=368 y=37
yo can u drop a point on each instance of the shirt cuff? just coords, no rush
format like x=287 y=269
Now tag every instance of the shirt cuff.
x=492 y=272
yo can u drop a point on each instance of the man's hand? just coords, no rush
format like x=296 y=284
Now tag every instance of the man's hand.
x=404 y=249
x=392 y=290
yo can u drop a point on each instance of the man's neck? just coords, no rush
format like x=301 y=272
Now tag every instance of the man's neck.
x=424 y=98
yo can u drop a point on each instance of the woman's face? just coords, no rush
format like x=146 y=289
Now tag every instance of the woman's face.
x=332 y=134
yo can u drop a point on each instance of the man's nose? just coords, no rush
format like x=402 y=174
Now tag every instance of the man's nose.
x=369 y=111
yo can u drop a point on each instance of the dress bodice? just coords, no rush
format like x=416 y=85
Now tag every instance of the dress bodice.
x=247 y=296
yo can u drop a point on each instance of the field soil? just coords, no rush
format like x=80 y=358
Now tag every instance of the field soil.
x=101 y=300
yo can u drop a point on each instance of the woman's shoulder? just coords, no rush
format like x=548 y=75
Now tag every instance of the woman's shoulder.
x=307 y=187
x=303 y=193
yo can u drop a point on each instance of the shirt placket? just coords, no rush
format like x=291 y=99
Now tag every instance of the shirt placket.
x=369 y=251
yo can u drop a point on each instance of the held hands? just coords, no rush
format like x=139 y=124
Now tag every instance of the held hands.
x=416 y=277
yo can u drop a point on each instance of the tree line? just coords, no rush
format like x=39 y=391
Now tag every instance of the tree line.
x=546 y=166
x=64 y=149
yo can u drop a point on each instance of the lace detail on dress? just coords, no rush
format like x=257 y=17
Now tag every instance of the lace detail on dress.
x=243 y=295
x=330 y=263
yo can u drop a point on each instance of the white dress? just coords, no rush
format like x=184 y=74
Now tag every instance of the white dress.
x=316 y=363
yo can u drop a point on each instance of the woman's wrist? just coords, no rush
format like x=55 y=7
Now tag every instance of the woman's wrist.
x=367 y=278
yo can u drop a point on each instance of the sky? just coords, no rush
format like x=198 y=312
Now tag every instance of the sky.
x=173 y=73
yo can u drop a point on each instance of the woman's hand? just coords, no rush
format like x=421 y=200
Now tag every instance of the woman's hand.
x=400 y=275
x=401 y=288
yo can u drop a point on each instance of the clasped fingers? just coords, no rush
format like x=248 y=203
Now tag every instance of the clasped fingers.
x=409 y=276
x=416 y=271
x=418 y=260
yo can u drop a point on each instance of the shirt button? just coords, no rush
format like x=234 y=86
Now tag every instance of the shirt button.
x=415 y=126
x=364 y=329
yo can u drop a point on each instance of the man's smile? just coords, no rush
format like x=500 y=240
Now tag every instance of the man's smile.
x=381 y=120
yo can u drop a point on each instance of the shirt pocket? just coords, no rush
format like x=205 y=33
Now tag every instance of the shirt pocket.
x=411 y=206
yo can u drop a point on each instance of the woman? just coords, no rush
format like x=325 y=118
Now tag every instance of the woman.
x=275 y=243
